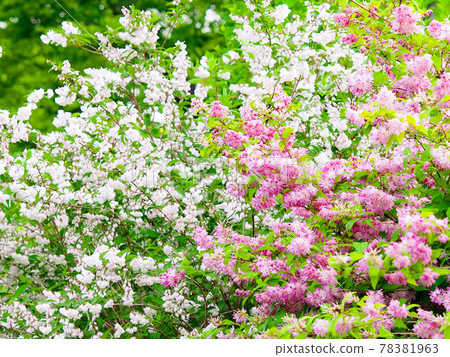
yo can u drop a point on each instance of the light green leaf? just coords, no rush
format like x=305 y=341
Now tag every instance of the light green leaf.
x=287 y=133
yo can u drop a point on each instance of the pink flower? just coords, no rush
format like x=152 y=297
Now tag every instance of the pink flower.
x=267 y=266
x=360 y=83
x=443 y=88
x=420 y=65
x=354 y=117
x=299 y=246
x=281 y=100
x=443 y=238
x=441 y=297
x=426 y=329
x=350 y=39
x=240 y=316
x=375 y=200
x=380 y=135
x=428 y=277
x=247 y=113
x=217 y=110
x=202 y=238
x=172 y=277
x=441 y=157
x=254 y=127
x=271 y=186
x=396 y=127
x=243 y=293
x=197 y=106
x=405 y=22
x=386 y=98
x=419 y=251
x=402 y=261
x=395 y=310
x=300 y=196
x=435 y=29
x=235 y=139
x=342 y=19
x=396 y=278
x=321 y=327
x=236 y=190
x=409 y=85
x=344 y=325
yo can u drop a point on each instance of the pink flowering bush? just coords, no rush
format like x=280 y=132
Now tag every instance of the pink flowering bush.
x=294 y=184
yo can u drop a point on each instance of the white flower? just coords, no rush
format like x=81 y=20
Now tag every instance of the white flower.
x=45 y=329
x=85 y=277
x=342 y=142
x=106 y=193
x=212 y=16
x=55 y=38
x=43 y=307
x=224 y=75
x=144 y=265
x=138 y=319
x=171 y=211
x=69 y=28
x=61 y=221
x=149 y=311
x=36 y=96
x=324 y=37
x=65 y=97
x=93 y=260
x=280 y=13
x=102 y=284
x=96 y=309
x=119 y=331
x=112 y=258
x=202 y=73
x=71 y=314
x=109 y=304
x=20 y=259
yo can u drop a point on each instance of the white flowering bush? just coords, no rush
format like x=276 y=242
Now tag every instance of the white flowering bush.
x=293 y=184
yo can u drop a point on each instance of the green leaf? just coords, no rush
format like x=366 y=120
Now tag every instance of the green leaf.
x=445 y=98
x=360 y=247
x=287 y=133
x=356 y=255
x=441 y=271
x=343 y=4
x=411 y=281
x=374 y=273
x=213 y=123
x=347 y=296
x=385 y=333
x=351 y=223
x=447 y=332
x=390 y=142
x=20 y=290
x=400 y=324
x=380 y=78
x=205 y=152
x=437 y=60
x=245 y=268
x=411 y=120
x=150 y=233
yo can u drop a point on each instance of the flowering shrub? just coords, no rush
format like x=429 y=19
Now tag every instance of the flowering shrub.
x=293 y=185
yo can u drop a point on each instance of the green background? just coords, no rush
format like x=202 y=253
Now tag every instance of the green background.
x=24 y=65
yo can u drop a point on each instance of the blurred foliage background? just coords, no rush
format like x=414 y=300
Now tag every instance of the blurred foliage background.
x=24 y=65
